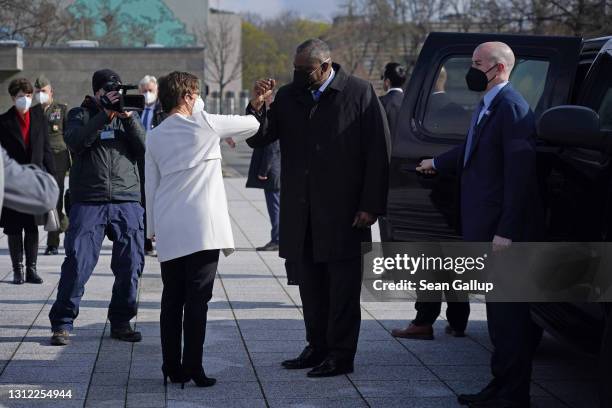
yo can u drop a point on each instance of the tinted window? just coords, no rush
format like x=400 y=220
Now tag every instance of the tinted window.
x=450 y=103
x=605 y=110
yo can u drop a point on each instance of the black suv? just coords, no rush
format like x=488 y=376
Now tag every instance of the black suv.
x=574 y=155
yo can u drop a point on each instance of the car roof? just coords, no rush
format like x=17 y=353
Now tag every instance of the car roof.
x=593 y=45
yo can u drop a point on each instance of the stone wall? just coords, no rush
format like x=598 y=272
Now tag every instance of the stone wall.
x=70 y=69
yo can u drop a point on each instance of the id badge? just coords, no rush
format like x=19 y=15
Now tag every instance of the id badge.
x=107 y=135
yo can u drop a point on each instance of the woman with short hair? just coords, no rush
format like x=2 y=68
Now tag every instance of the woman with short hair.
x=187 y=215
x=23 y=134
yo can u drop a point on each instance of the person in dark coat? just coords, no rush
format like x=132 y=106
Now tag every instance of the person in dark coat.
x=151 y=117
x=428 y=305
x=334 y=165
x=393 y=78
x=499 y=203
x=23 y=134
x=55 y=115
x=264 y=173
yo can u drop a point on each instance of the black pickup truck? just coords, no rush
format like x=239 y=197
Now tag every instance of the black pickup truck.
x=574 y=154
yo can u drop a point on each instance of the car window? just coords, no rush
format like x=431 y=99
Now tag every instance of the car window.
x=605 y=110
x=450 y=103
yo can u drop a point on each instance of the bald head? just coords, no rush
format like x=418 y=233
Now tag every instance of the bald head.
x=490 y=55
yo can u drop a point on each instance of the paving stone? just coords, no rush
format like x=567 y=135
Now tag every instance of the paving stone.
x=245 y=354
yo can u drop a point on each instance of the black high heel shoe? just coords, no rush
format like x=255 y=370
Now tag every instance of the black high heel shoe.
x=176 y=375
x=200 y=379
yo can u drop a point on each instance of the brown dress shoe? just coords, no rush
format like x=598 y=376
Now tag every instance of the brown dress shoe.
x=414 y=332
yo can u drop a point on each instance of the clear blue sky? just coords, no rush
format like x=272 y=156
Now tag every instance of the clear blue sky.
x=317 y=9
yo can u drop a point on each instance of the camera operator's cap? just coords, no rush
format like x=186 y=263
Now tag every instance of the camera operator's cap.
x=41 y=82
x=101 y=77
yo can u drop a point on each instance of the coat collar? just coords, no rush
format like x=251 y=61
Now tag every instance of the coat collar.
x=337 y=84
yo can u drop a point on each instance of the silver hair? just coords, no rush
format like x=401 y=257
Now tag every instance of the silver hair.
x=315 y=49
x=147 y=79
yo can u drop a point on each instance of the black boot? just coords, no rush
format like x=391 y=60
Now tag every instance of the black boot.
x=31 y=255
x=15 y=243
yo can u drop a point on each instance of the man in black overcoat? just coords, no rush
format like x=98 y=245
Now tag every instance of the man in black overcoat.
x=334 y=165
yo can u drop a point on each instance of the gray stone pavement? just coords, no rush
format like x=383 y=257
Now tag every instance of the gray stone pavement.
x=255 y=321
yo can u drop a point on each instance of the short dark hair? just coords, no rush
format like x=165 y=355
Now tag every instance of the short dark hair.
x=20 y=84
x=174 y=86
x=395 y=73
x=317 y=49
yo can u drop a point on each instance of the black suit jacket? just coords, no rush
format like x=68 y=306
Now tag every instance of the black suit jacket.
x=392 y=102
x=334 y=163
x=38 y=153
x=498 y=184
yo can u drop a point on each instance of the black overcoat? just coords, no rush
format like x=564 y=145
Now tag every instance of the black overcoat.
x=38 y=153
x=265 y=161
x=334 y=163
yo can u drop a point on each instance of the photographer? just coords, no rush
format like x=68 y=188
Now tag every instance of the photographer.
x=106 y=144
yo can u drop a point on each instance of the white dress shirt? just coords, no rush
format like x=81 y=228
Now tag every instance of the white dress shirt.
x=328 y=81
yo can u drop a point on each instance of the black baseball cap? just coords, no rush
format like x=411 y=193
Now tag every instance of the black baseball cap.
x=102 y=77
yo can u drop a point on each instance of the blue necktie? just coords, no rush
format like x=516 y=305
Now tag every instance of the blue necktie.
x=470 y=136
x=145 y=119
x=316 y=95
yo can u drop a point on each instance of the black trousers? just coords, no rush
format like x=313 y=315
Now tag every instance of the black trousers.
x=62 y=165
x=457 y=313
x=330 y=294
x=605 y=361
x=511 y=331
x=188 y=285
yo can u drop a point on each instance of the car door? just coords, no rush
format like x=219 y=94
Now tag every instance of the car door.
x=435 y=116
x=579 y=180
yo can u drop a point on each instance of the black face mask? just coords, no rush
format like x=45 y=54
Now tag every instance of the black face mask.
x=477 y=80
x=303 y=79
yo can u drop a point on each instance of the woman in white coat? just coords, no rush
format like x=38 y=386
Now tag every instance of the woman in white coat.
x=188 y=217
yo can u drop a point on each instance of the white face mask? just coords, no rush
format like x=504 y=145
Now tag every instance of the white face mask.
x=42 y=97
x=198 y=106
x=23 y=103
x=150 y=97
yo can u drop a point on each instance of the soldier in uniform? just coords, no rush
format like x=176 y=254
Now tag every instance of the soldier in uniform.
x=55 y=115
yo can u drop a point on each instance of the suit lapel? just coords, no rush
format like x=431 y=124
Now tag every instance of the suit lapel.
x=485 y=119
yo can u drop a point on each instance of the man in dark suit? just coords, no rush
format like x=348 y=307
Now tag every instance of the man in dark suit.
x=334 y=166
x=498 y=203
x=442 y=113
x=393 y=78
x=264 y=173
x=151 y=117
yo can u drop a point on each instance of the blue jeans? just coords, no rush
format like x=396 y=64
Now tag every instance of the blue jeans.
x=89 y=223
x=273 y=203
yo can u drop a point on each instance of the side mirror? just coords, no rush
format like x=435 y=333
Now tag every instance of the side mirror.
x=572 y=126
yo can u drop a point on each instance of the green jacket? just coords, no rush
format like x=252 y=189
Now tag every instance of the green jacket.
x=55 y=114
x=104 y=155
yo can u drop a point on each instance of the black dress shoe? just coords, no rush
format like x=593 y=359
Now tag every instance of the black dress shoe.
x=499 y=403
x=331 y=367
x=51 y=250
x=309 y=358
x=126 y=334
x=455 y=333
x=486 y=394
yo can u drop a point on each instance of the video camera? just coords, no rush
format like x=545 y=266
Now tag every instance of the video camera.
x=126 y=102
